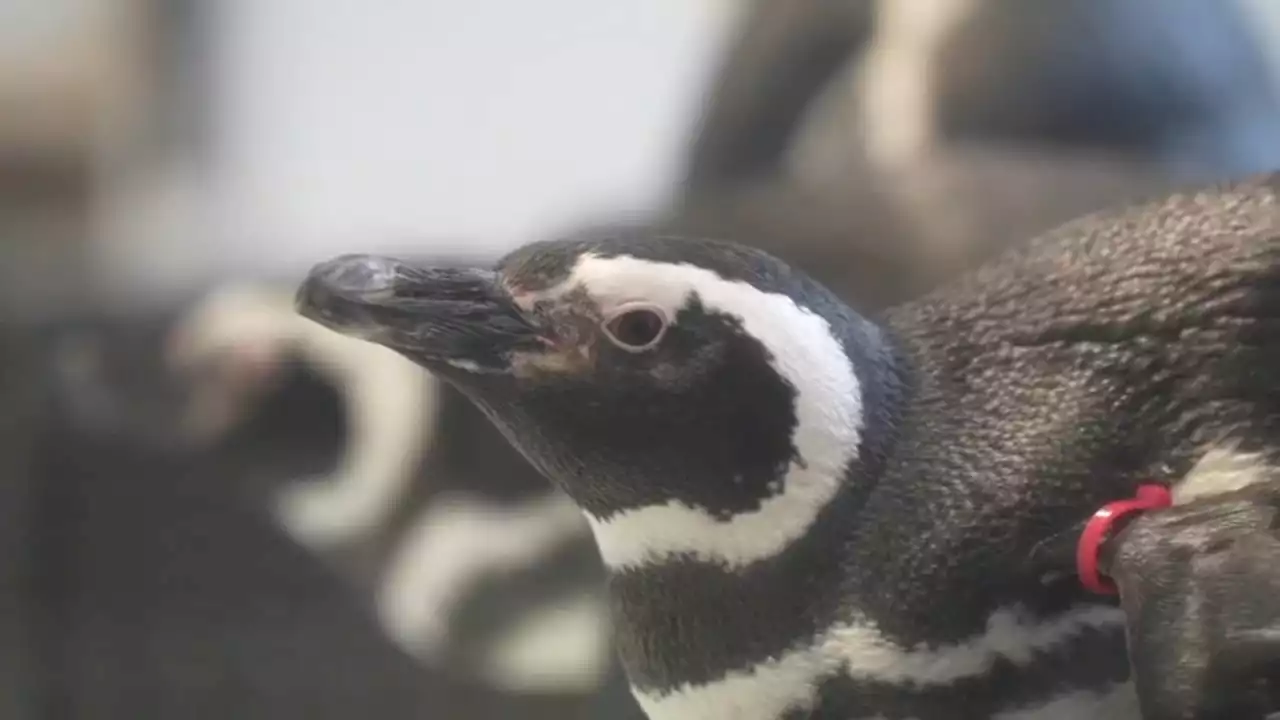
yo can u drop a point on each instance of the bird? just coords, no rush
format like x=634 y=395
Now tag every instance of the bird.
x=234 y=346
x=413 y=513
x=877 y=240
x=811 y=512
x=465 y=559
x=811 y=86
x=779 y=158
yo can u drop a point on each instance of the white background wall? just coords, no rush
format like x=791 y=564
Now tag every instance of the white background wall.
x=346 y=125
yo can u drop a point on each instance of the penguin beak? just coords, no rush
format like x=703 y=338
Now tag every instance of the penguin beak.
x=458 y=317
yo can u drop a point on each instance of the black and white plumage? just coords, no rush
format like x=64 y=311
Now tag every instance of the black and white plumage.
x=785 y=160
x=449 y=544
x=808 y=512
x=812 y=87
x=152 y=586
x=238 y=340
x=1028 y=115
x=469 y=560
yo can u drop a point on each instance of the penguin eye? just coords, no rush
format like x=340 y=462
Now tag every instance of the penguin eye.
x=636 y=329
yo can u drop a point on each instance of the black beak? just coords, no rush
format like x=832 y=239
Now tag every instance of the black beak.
x=459 y=317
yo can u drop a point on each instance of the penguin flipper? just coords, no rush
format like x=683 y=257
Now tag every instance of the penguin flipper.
x=1199 y=584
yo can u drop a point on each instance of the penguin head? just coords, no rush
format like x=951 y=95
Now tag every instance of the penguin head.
x=232 y=350
x=637 y=372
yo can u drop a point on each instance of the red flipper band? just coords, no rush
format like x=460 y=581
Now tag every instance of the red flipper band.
x=1148 y=497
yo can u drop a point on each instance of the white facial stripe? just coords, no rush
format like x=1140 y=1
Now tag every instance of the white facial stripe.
x=828 y=413
x=561 y=647
x=647 y=535
x=454 y=544
x=768 y=689
x=392 y=407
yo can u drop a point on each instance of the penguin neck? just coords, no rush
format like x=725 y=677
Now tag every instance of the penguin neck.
x=739 y=592
x=853 y=615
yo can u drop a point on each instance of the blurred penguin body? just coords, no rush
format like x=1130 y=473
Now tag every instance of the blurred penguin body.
x=1039 y=113
x=813 y=88
x=880 y=238
x=428 y=512
x=159 y=584
x=455 y=547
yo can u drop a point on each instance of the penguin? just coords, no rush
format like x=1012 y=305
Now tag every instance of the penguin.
x=880 y=240
x=809 y=511
x=779 y=58
x=234 y=345
x=811 y=87
x=833 y=212
x=142 y=565
x=466 y=561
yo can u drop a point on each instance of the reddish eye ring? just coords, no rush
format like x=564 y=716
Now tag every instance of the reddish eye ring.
x=636 y=328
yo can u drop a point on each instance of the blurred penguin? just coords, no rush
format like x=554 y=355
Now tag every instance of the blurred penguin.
x=811 y=86
x=923 y=135
x=471 y=560
x=169 y=430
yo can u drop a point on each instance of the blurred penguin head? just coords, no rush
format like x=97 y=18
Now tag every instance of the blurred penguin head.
x=230 y=350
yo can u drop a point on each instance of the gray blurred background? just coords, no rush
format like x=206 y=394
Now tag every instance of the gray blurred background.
x=209 y=508
x=210 y=137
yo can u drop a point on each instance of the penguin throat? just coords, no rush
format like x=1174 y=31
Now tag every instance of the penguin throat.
x=696 y=599
x=654 y=534
x=695 y=594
